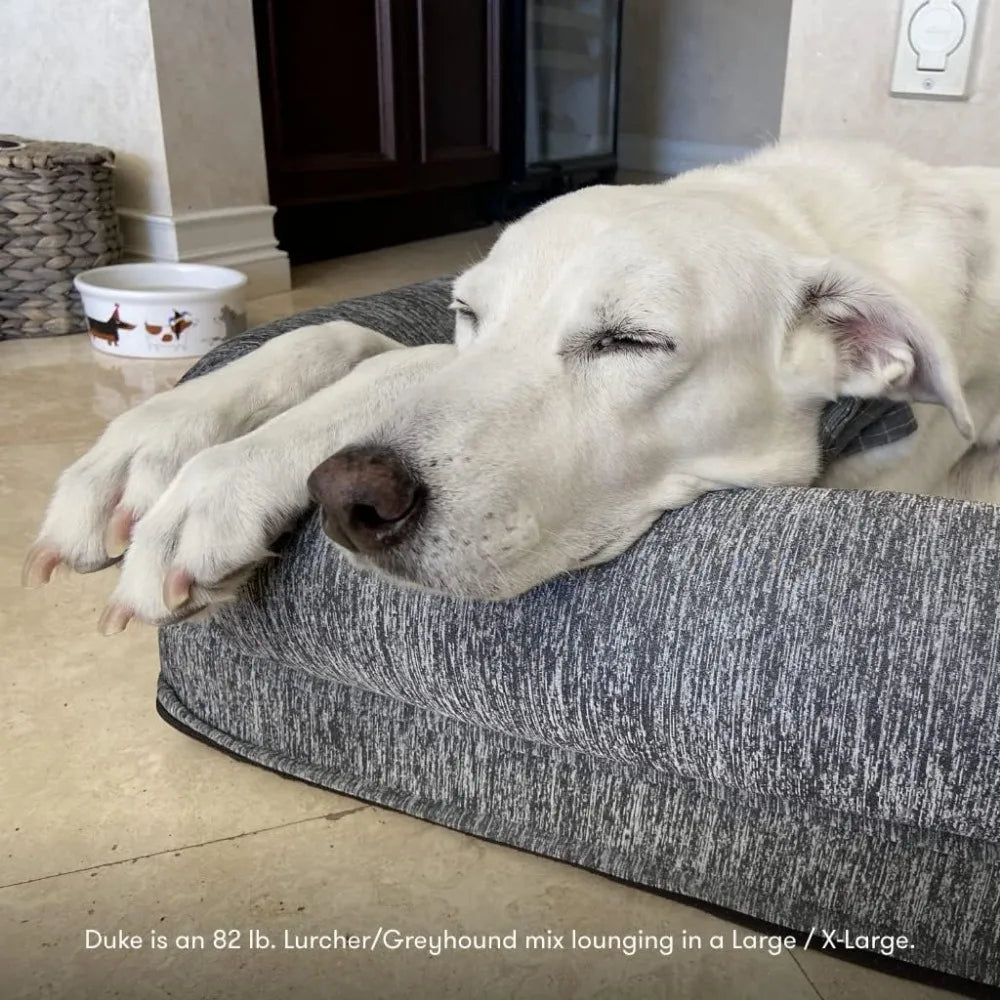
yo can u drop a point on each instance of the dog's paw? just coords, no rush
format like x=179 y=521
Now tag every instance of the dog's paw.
x=203 y=538
x=99 y=499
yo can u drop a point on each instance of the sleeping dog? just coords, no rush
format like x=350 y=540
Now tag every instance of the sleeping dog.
x=620 y=352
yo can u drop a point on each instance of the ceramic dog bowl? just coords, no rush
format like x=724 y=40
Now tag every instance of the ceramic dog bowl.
x=162 y=310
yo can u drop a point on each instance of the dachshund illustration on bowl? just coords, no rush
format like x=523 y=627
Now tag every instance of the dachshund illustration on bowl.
x=107 y=329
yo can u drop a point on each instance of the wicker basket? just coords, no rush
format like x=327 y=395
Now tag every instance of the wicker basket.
x=57 y=218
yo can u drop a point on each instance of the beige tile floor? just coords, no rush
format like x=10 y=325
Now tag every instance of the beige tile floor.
x=111 y=820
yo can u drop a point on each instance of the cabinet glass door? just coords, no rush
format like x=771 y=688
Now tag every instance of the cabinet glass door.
x=571 y=66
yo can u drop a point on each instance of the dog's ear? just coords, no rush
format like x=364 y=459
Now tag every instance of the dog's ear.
x=884 y=347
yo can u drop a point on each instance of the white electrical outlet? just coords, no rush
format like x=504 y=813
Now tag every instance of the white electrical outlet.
x=935 y=48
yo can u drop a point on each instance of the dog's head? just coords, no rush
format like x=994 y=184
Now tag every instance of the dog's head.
x=621 y=351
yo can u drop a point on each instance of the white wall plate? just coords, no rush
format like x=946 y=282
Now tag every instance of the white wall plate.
x=935 y=48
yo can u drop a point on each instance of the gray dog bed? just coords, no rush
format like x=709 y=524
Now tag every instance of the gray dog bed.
x=785 y=702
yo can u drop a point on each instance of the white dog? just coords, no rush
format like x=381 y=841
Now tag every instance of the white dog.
x=620 y=351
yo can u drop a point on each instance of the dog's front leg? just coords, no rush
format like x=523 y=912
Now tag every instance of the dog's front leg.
x=218 y=518
x=99 y=498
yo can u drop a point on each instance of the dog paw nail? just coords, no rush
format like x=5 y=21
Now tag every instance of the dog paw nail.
x=118 y=533
x=39 y=566
x=114 y=619
x=115 y=550
x=176 y=588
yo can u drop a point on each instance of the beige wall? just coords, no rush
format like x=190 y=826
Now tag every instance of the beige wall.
x=701 y=79
x=209 y=101
x=170 y=85
x=84 y=72
x=837 y=84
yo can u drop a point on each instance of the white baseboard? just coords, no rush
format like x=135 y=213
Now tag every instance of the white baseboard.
x=653 y=154
x=242 y=238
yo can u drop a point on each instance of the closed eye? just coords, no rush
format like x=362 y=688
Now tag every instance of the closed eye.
x=626 y=340
x=463 y=309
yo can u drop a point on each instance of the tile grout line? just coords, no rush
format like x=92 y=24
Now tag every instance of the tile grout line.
x=805 y=975
x=332 y=817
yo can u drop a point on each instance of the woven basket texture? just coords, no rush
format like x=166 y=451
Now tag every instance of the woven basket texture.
x=57 y=218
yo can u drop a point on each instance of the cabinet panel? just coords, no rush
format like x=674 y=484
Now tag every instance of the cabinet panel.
x=334 y=51
x=329 y=87
x=459 y=90
x=369 y=105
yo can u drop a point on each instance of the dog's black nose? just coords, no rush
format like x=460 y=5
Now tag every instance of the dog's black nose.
x=370 y=499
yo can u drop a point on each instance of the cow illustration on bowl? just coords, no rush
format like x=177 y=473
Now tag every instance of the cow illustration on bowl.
x=178 y=322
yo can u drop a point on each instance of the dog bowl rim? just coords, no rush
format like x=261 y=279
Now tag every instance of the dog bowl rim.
x=234 y=282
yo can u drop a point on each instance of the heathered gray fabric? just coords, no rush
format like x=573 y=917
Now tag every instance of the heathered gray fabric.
x=786 y=702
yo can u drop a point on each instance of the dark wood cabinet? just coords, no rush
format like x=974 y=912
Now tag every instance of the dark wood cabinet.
x=369 y=106
x=332 y=122
x=458 y=49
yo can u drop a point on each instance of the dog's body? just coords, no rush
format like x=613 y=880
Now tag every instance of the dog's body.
x=621 y=351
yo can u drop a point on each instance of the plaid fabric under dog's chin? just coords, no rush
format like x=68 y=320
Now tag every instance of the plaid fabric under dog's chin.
x=848 y=426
